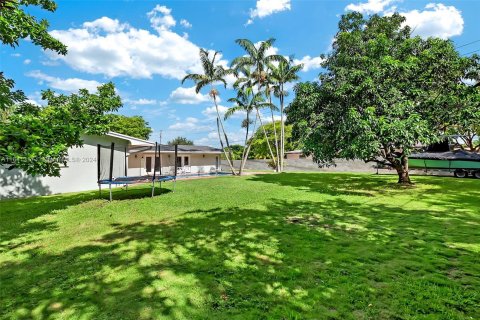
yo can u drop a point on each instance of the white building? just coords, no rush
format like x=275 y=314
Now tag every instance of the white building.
x=131 y=157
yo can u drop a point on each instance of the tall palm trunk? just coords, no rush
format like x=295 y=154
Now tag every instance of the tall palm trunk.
x=245 y=144
x=274 y=130
x=220 y=124
x=247 y=152
x=266 y=138
x=282 y=130
x=275 y=161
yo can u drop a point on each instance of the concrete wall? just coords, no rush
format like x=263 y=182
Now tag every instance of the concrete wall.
x=80 y=174
x=198 y=163
x=309 y=165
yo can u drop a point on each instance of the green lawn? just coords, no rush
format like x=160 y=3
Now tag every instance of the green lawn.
x=289 y=246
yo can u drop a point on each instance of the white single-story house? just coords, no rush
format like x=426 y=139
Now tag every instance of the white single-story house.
x=131 y=156
x=190 y=160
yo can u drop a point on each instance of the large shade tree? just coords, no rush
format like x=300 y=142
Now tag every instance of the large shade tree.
x=36 y=138
x=378 y=97
x=213 y=74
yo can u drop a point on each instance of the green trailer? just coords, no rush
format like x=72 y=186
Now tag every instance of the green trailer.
x=461 y=163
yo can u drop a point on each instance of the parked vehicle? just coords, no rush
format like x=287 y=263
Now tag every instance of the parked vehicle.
x=462 y=163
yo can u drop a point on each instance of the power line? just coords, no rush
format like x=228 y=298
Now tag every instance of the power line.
x=467 y=44
x=465 y=54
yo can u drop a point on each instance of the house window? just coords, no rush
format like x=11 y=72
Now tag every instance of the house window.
x=186 y=161
x=179 y=161
x=157 y=164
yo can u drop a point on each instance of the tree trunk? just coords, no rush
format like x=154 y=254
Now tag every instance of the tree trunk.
x=223 y=129
x=220 y=124
x=402 y=171
x=275 y=132
x=266 y=138
x=223 y=148
x=282 y=130
x=245 y=144
x=247 y=152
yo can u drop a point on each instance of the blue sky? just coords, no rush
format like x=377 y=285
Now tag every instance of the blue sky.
x=146 y=47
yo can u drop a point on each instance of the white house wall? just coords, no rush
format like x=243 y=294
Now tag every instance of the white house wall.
x=80 y=174
x=199 y=163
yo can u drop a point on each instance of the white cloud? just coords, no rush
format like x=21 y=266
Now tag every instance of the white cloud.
x=369 y=7
x=183 y=95
x=437 y=20
x=16 y=55
x=106 y=46
x=161 y=18
x=27 y=61
x=309 y=63
x=141 y=101
x=69 y=85
x=105 y=24
x=211 y=112
x=234 y=137
x=190 y=125
x=265 y=8
x=185 y=23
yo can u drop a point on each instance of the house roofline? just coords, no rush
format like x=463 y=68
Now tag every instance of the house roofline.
x=136 y=141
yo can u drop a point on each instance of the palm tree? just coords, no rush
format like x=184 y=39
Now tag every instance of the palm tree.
x=246 y=101
x=257 y=59
x=269 y=87
x=283 y=73
x=213 y=74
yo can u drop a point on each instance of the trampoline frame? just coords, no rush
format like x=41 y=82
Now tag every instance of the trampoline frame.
x=141 y=179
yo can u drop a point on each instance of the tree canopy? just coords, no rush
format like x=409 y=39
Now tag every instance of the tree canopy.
x=36 y=139
x=380 y=94
x=259 y=149
x=134 y=126
x=16 y=24
x=180 y=140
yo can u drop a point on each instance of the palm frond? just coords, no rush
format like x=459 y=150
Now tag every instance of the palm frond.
x=194 y=77
x=264 y=46
x=240 y=62
x=201 y=84
x=205 y=61
x=248 y=46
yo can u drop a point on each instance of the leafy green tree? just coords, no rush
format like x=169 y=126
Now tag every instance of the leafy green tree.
x=180 y=140
x=259 y=144
x=378 y=97
x=16 y=24
x=237 y=151
x=461 y=110
x=36 y=139
x=134 y=126
x=212 y=74
x=284 y=73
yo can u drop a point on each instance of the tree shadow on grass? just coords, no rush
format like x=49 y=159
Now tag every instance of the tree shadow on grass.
x=290 y=259
x=445 y=191
x=18 y=217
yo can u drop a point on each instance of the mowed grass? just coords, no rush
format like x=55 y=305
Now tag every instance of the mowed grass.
x=287 y=246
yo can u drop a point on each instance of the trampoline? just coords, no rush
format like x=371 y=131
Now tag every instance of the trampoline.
x=106 y=170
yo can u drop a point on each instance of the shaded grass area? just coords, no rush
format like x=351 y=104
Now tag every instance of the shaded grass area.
x=288 y=246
